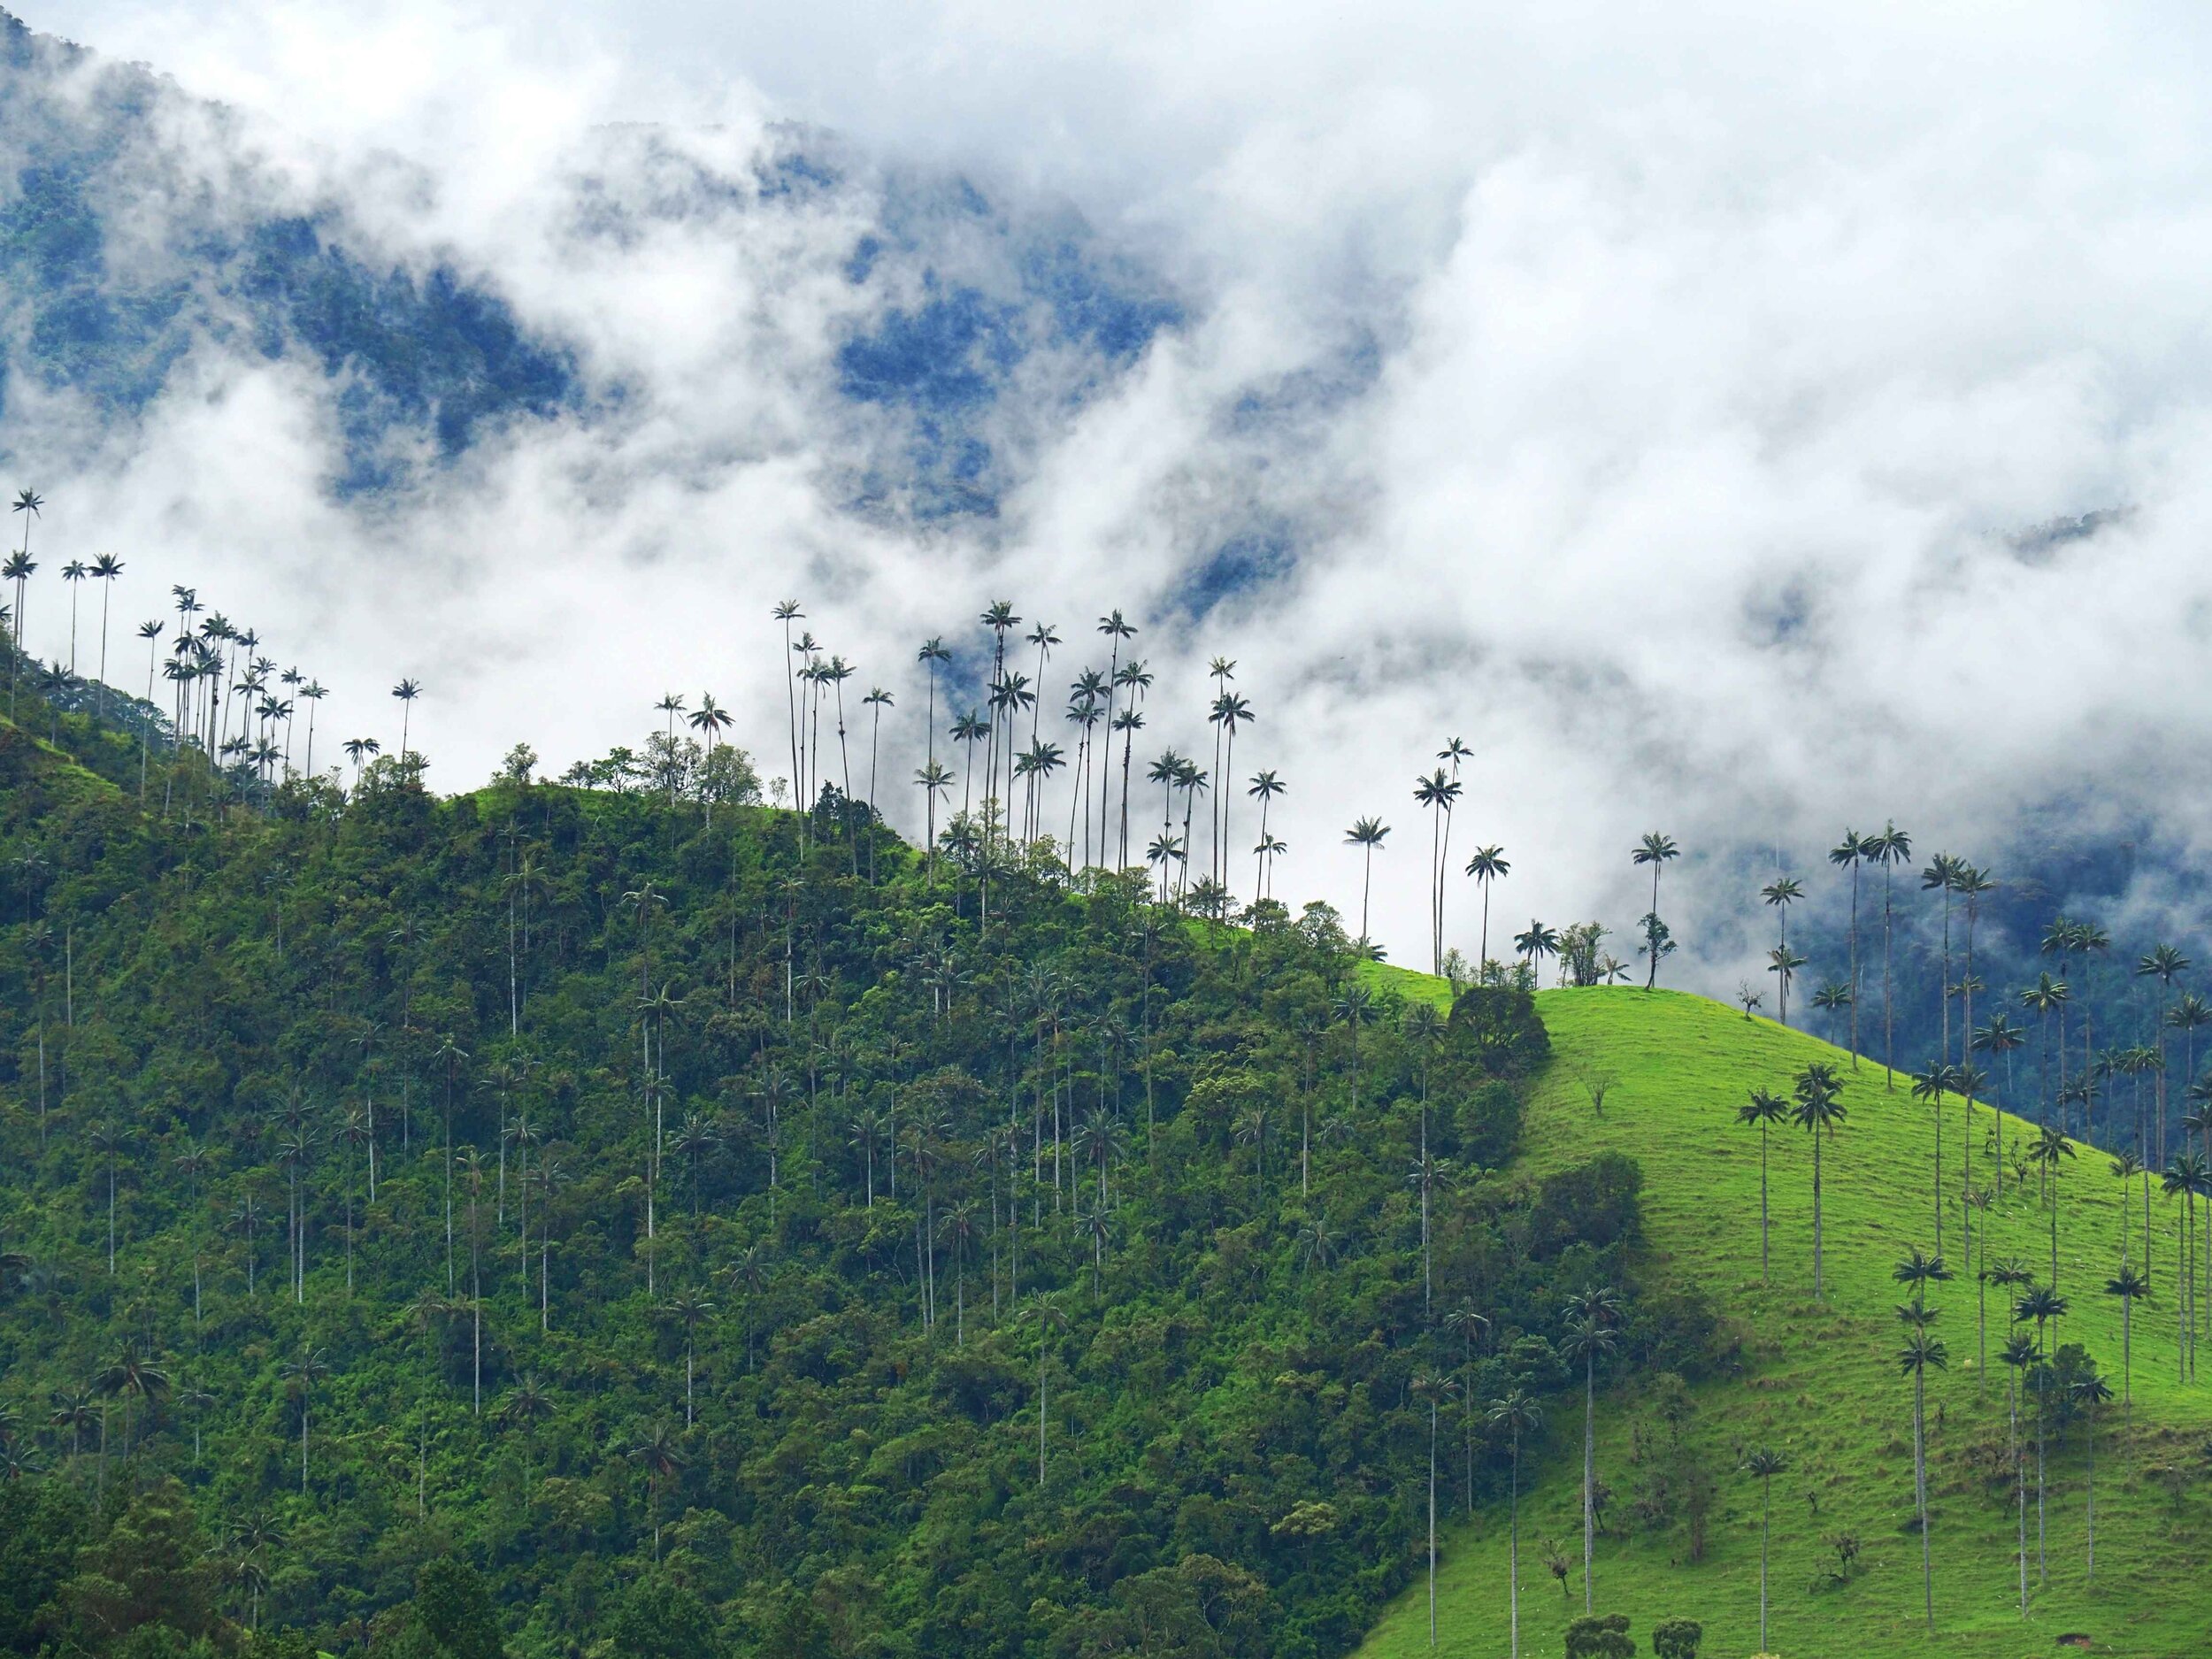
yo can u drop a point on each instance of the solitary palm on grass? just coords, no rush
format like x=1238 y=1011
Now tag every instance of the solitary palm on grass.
x=1517 y=1415
x=1818 y=1110
x=1656 y=850
x=1763 y=1109
x=1763 y=1464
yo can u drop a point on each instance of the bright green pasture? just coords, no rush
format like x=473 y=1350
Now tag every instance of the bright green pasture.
x=1819 y=1382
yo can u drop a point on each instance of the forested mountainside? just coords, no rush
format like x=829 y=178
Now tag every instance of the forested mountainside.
x=654 y=1222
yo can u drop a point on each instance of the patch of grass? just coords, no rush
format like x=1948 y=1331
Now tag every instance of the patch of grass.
x=1820 y=1384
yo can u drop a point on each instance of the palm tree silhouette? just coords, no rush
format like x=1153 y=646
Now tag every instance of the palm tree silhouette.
x=1366 y=834
x=1487 y=866
x=1782 y=893
x=1849 y=854
x=74 y=573
x=1656 y=850
x=1264 y=788
x=1889 y=848
x=406 y=691
x=105 y=569
x=1435 y=795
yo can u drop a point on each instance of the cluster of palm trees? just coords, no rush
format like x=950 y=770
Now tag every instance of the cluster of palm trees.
x=1010 y=759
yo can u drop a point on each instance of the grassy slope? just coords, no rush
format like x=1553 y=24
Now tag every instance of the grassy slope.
x=1820 y=1382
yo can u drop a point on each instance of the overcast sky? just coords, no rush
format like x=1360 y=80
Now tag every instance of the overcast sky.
x=1724 y=349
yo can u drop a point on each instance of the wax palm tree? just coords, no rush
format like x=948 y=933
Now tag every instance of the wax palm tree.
x=1819 y=1110
x=1781 y=893
x=1889 y=848
x=1930 y=1083
x=1488 y=864
x=1591 y=1316
x=1763 y=1463
x=1942 y=876
x=1434 y=794
x=1368 y=834
x=2048 y=1149
x=2090 y=1392
x=1050 y=1322
x=2185 y=1176
x=2000 y=1036
x=1264 y=787
x=1518 y=1414
x=135 y=1374
x=406 y=691
x=1535 y=944
x=300 y=1377
x=1431 y=1390
x=1831 y=999
x=934 y=781
x=1229 y=713
x=108 y=1144
x=150 y=632
x=2130 y=1287
x=656 y=1452
x=2046 y=997
x=1763 y=1110
x=105 y=569
x=74 y=573
x=1923 y=1352
x=1137 y=679
x=20 y=568
x=2042 y=1304
x=2018 y=1357
x=1657 y=851
x=525 y=1405
x=688 y=1308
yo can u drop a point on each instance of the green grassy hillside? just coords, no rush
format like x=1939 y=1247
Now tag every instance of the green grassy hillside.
x=1819 y=1382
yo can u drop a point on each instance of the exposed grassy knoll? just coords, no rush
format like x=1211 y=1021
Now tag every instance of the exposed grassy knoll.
x=1820 y=1383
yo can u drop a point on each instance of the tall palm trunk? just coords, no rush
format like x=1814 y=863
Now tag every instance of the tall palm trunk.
x=1589 y=1475
x=1920 y=1491
x=1513 y=1552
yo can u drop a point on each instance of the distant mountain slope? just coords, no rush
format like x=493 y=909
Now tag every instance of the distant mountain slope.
x=138 y=228
x=1820 y=1384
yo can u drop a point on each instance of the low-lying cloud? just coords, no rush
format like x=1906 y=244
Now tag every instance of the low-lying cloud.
x=1654 y=400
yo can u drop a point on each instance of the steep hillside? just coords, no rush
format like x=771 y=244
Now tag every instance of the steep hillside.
x=649 y=1218
x=1819 y=1382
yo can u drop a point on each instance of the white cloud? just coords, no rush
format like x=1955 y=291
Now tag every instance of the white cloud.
x=1721 y=348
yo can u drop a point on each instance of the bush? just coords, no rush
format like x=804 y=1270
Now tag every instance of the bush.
x=1599 y=1636
x=1676 y=1637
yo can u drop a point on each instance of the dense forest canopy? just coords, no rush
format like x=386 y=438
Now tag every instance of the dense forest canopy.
x=585 y=1206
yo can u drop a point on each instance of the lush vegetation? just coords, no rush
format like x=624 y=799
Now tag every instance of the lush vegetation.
x=535 y=1193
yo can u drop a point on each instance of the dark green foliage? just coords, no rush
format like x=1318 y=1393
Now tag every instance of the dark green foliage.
x=1502 y=1029
x=42 y=1523
x=658 y=1619
x=1676 y=1637
x=1599 y=1636
x=1592 y=1203
x=837 y=1450
x=150 y=1569
x=451 y=1616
